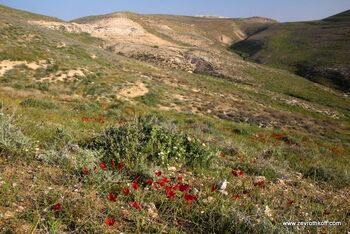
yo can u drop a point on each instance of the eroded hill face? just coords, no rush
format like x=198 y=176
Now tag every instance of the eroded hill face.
x=192 y=44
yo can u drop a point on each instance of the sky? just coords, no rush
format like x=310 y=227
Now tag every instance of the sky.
x=281 y=10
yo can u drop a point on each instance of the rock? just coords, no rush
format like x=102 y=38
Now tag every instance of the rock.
x=171 y=168
x=221 y=185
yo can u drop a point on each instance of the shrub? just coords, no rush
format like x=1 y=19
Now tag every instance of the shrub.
x=86 y=106
x=150 y=99
x=12 y=140
x=43 y=86
x=38 y=103
x=144 y=140
x=318 y=173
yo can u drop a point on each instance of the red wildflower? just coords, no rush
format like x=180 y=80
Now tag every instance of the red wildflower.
x=184 y=187
x=57 y=206
x=176 y=186
x=135 y=186
x=158 y=173
x=213 y=188
x=136 y=205
x=120 y=166
x=169 y=192
x=277 y=136
x=236 y=197
x=126 y=191
x=161 y=183
x=179 y=178
x=254 y=161
x=149 y=181
x=110 y=221
x=86 y=171
x=189 y=198
x=112 y=197
x=85 y=119
x=259 y=183
x=238 y=173
x=165 y=179
x=103 y=166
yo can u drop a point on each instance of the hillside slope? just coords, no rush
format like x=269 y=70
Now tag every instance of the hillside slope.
x=317 y=50
x=92 y=141
x=167 y=41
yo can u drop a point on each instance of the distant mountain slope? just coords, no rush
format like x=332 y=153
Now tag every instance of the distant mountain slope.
x=317 y=50
x=193 y=44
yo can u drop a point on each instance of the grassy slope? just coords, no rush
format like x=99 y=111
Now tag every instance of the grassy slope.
x=304 y=47
x=307 y=169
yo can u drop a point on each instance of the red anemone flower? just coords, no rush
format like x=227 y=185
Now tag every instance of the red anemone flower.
x=179 y=178
x=120 y=166
x=126 y=191
x=135 y=186
x=110 y=221
x=189 y=198
x=136 y=205
x=184 y=187
x=176 y=186
x=103 y=166
x=165 y=179
x=57 y=206
x=238 y=173
x=169 y=192
x=236 y=197
x=149 y=181
x=259 y=183
x=112 y=197
x=161 y=183
x=86 y=170
x=158 y=173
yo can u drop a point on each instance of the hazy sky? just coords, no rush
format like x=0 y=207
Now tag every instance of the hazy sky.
x=282 y=10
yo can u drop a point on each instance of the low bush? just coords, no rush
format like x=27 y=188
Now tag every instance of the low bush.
x=145 y=140
x=12 y=140
x=38 y=103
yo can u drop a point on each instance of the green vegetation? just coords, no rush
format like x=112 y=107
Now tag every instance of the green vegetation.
x=94 y=152
x=144 y=141
x=38 y=103
x=317 y=50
